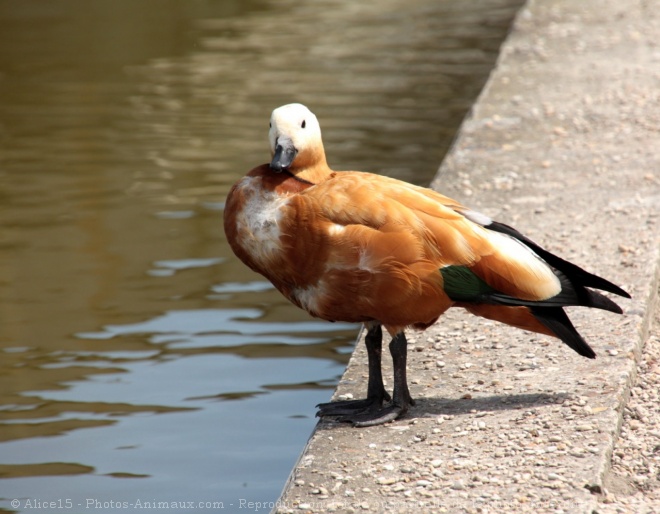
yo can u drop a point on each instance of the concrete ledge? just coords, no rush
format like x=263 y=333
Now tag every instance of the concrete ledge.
x=562 y=143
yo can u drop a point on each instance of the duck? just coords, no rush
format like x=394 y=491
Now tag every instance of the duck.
x=360 y=247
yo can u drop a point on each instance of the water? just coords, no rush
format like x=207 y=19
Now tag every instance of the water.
x=139 y=360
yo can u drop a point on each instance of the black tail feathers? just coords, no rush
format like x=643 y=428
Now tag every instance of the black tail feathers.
x=555 y=319
x=574 y=281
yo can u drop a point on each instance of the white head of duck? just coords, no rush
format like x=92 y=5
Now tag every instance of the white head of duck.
x=296 y=146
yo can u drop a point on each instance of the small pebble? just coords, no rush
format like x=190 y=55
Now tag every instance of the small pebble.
x=387 y=480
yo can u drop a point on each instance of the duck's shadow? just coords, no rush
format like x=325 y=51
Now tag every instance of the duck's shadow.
x=498 y=402
x=432 y=407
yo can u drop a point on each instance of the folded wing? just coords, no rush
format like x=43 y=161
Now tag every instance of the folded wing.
x=418 y=252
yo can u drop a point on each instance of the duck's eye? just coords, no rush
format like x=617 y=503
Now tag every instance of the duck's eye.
x=303 y=124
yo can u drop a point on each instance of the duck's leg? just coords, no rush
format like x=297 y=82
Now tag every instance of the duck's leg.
x=401 y=400
x=346 y=410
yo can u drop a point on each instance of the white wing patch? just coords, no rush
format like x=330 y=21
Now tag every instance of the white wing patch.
x=546 y=284
x=477 y=217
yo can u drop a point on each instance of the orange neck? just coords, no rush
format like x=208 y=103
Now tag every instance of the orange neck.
x=311 y=166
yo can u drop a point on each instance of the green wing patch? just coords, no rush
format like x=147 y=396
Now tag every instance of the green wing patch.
x=462 y=285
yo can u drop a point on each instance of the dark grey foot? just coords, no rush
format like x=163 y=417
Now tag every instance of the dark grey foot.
x=401 y=399
x=379 y=417
x=376 y=394
x=364 y=413
x=351 y=408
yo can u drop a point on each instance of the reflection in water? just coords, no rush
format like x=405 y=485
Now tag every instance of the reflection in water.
x=126 y=323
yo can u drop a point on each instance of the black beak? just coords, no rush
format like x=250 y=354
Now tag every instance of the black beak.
x=283 y=157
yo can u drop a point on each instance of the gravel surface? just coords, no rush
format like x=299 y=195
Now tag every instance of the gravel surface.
x=633 y=484
x=563 y=144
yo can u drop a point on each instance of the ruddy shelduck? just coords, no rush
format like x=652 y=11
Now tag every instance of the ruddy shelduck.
x=359 y=247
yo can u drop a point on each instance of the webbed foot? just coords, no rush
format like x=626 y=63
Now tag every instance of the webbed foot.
x=351 y=408
x=365 y=413
x=380 y=417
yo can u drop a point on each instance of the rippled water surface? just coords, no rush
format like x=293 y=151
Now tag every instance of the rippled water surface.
x=139 y=360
